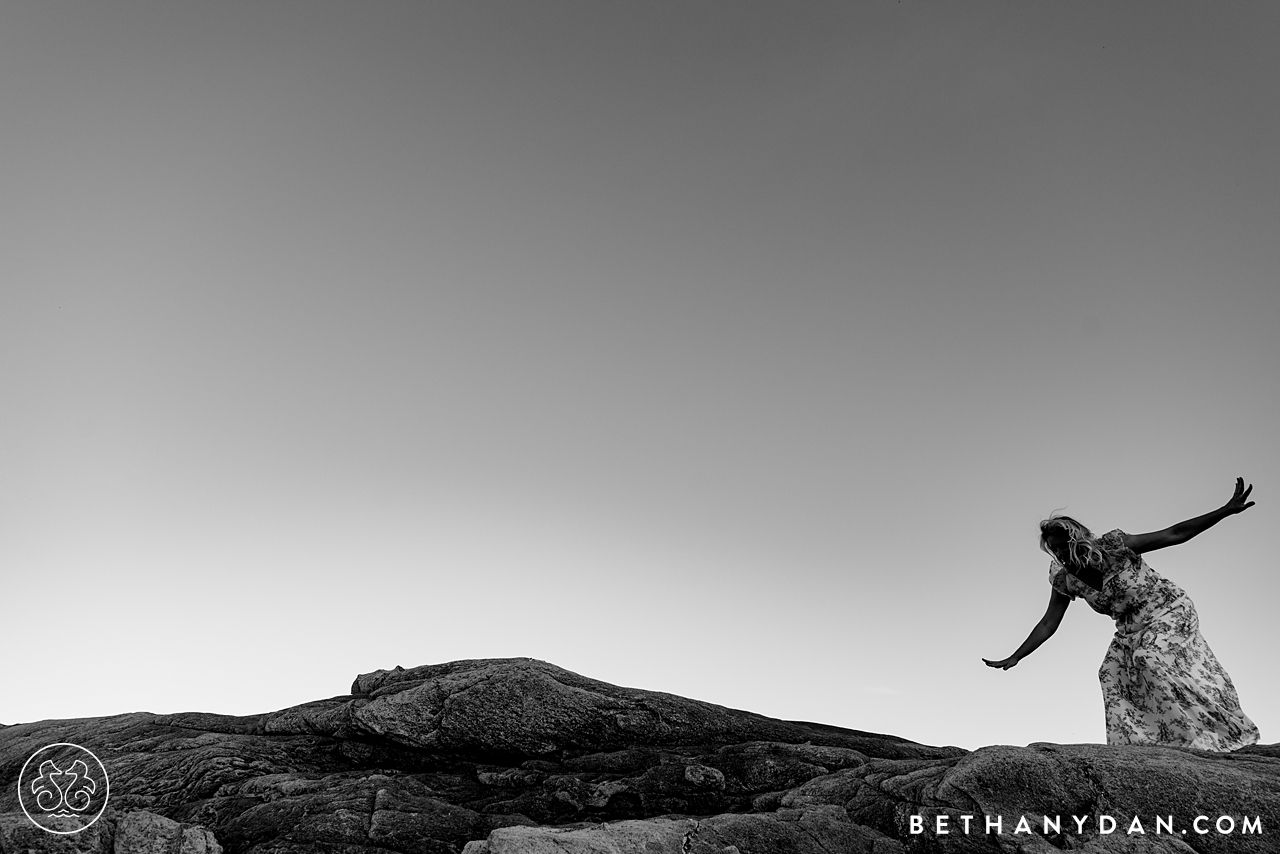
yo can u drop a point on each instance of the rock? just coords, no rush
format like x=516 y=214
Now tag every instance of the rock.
x=18 y=834
x=141 y=832
x=817 y=830
x=767 y=766
x=134 y=832
x=655 y=836
x=507 y=755
x=525 y=707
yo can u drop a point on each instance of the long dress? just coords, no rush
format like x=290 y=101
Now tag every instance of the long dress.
x=1161 y=684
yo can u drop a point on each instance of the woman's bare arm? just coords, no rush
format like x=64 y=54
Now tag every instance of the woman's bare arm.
x=1183 y=531
x=1044 y=630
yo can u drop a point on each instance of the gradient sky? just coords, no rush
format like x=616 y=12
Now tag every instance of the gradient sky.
x=720 y=348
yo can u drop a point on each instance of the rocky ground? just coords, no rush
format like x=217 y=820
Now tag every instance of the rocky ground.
x=517 y=755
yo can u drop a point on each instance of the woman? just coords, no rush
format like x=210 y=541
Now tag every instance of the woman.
x=1161 y=683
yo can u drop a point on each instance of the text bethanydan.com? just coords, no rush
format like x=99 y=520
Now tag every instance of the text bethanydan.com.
x=945 y=825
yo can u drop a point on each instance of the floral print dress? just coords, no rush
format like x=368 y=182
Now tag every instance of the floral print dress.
x=1161 y=684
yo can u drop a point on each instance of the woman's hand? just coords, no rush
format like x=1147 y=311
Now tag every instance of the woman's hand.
x=1239 y=501
x=1003 y=664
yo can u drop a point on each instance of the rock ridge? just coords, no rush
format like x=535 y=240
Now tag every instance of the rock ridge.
x=491 y=756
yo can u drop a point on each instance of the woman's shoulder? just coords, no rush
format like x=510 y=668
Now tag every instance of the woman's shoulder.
x=1113 y=536
x=1113 y=542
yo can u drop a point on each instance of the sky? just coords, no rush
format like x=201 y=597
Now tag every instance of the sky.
x=727 y=349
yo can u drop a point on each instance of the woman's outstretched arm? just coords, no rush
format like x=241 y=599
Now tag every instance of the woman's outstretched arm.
x=1044 y=630
x=1183 y=531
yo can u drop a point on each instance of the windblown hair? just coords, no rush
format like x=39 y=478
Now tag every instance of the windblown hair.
x=1081 y=550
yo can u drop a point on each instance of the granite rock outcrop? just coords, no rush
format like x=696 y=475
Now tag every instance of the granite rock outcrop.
x=517 y=755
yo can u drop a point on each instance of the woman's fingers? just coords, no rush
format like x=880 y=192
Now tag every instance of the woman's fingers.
x=1241 y=493
x=1239 y=501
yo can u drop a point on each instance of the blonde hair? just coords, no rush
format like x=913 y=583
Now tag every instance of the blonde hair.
x=1081 y=551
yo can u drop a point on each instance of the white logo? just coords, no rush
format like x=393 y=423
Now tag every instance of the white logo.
x=63 y=788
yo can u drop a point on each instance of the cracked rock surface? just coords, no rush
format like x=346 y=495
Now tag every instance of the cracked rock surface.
x=517 y=755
